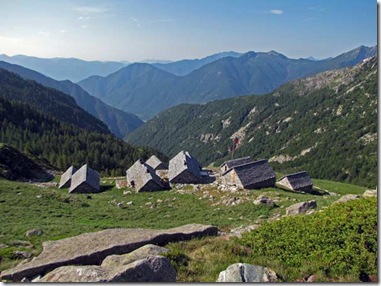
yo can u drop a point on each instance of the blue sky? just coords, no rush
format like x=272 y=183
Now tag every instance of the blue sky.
x=135 y=30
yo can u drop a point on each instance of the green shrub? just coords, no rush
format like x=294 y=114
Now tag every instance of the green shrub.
x=341 y=241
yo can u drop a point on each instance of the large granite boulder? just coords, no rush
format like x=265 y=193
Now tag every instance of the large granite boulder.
x=150 y=269
x=93 y=248
x=347 y=198
x=370 y=193
x=145 y=251
x=300 y=208
x=243 y=272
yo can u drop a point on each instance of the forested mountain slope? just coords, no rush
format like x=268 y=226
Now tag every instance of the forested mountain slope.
x=119 y=122
x=325 y=124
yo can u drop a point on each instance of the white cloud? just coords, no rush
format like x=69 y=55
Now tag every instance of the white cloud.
x=83 y=18
x=136 y=22
x=276 y=12
x=63 y=31
x=86 y=10
x=84 y=26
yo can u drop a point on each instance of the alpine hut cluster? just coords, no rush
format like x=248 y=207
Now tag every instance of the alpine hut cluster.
x=84 y=180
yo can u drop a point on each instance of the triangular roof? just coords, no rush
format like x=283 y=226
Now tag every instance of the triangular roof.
x=253 y=173
x=298 y=180
x=85 y=180
x=156 y=163
x=236 y=162
x=184 y=168
x=65 y=180
x=144 y=177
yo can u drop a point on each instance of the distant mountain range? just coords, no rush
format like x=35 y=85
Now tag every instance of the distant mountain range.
x=64 y=68
x=119 y=122
x=325 y=124
x=146 y=90
x=185 y=67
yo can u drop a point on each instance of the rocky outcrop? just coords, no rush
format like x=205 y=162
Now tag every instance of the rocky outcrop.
x=370 y=193
x=347 y=198
x=300 y=208
x=34 y=232
x=243 y=272
x=93 y=248
x=150 y=269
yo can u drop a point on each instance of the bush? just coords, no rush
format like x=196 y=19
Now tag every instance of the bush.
x=341 y=241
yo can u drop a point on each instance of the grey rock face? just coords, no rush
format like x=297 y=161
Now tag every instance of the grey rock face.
x=140 y=253
x=93 y=248
x=243 y=272
x=300 y=208
x=150 y=269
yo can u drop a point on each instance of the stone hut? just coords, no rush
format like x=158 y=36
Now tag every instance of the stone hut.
x=156 y=163
x=252 y=175
x=184 y=169
x=85 y=180
x=65 y=180
x=143 y=178
x=233 y=163
x=300 y=181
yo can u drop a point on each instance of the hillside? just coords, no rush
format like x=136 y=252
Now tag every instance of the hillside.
x=146 y=90
x=119 y=123
x=64 y=68
x=49 y=125
x=326 y=124
x=14 y=165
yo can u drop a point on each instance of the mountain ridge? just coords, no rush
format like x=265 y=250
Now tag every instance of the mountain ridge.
x=120 y=123
x=251 y=73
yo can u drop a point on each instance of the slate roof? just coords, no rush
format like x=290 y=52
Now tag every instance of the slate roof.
x=256 y=174
x=143 y=177
x=184 y=168
x=298 y=181
x=156 y=163
x=85 y=180
x=65 y=180
x=236 y=162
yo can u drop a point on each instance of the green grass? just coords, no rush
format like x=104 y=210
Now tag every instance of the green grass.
x=60 y=214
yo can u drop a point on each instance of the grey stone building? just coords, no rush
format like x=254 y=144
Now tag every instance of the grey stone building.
x=184 y=169
x=65 y=180
x=235 y=162
x=300 y=181
x=143 y=178
x=85 y=180
x=252 y=175
x=156 y=163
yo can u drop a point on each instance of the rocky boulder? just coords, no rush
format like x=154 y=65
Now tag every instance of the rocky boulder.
x=93 y=248
x=264 y=200
x=370 y=193
x=150 y=269
x=243 y=272
x=300 y=208
x=34 y=232
x=347 y=198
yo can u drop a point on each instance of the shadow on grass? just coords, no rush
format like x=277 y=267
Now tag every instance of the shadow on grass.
x=314 y=191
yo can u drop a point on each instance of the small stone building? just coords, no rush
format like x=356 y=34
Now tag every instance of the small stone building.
x=65 y=180
x=85 y=180
x=300 y=181
x=143 y=178
x=156 y=163
x=184 y=169
x=233 y=163
x=252 y=175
